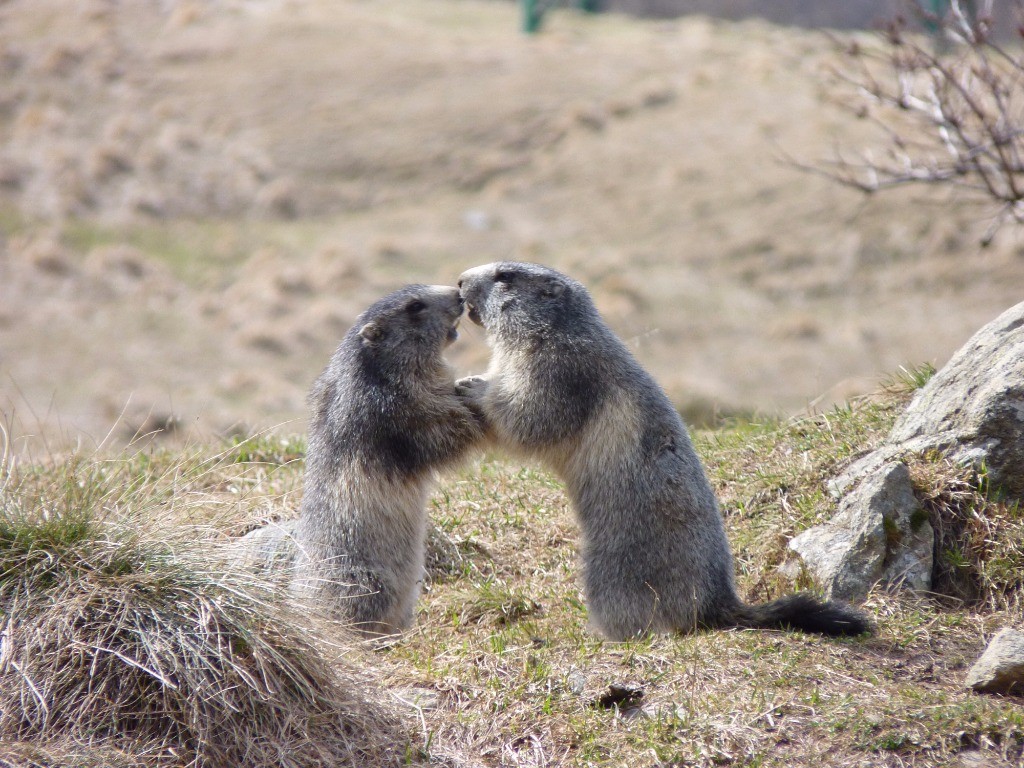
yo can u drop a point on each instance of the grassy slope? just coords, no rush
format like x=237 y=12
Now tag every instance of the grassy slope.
x=505 y=639
x=502 y=667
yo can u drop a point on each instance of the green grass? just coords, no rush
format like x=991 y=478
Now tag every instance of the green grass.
x=501 y=642
x=197 y=252
x=909 y=378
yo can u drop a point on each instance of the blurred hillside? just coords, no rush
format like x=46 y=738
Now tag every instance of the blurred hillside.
x=197 y=199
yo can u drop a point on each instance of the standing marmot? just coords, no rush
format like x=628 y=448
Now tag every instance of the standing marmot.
x=563 y=388
x=385 y=418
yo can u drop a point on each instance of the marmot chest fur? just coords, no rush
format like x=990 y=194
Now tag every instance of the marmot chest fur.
x=562 y=387
x=385 y=418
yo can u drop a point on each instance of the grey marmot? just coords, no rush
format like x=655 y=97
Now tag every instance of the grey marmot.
x=563 y=388
x=385 y=418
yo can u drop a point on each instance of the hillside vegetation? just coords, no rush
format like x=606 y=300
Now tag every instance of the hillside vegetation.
x=500 y=669
x=198 y=198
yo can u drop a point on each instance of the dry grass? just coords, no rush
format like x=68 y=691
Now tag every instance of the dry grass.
x=124 y=641
x=500 y=669
x=527 y=688
x=979 y=535
x=641 y=157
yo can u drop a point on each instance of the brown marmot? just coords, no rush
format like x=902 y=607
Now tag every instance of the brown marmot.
x=563 y=388
x=386 y=417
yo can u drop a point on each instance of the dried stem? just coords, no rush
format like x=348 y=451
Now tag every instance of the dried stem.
x=950 y=110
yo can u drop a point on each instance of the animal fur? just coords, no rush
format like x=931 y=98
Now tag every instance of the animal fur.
x=385 y=418
x=563 y=388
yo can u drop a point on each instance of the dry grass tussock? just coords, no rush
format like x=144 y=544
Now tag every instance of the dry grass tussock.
x=979 y=535
x=123 y=642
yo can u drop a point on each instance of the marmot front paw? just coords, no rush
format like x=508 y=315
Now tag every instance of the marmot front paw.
x=471 y=387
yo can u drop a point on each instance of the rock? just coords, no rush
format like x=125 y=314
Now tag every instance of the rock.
x=974 y=406
x=880 y=534
x=576 y=682
x=973 y=412
x=1000 y=669
x=269 y=550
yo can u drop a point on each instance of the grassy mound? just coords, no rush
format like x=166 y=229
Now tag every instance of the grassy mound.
x=122 y=646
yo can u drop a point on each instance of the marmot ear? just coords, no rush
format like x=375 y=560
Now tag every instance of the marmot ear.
x=553 y=288
x=371 y=332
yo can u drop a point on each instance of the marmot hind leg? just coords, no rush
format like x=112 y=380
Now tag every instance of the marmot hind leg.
x=622 y=614
x=360 y=599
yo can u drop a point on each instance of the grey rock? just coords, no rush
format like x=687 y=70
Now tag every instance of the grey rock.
x=872 y=462
x=1000 y=669
x=880 y=534
x=973 y=412
x=576 y=682
x=974 y=407
x=269 y=551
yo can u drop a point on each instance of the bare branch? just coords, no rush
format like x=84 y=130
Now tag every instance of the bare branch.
x=950 y=109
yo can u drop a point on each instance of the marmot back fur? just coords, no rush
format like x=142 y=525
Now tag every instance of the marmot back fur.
x=385 y=419
x=562 y=387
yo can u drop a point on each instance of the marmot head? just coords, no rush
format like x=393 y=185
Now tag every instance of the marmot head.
x=409 y=328
x=517 y=301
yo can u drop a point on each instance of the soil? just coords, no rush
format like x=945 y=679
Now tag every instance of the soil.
x=198 y=198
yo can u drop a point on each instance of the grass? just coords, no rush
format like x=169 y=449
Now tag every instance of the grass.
x=524 y=690
x=200 y=252
x=980 y=534
x=909 y=378
x=197 y=252
x=500 y=667
x=125 y=634
x=209 y=253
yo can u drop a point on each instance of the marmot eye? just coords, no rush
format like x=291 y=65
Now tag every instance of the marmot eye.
x=503 y=276
x=414 y=307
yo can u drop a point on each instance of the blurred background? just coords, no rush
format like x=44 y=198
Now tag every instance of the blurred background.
x=198 y=197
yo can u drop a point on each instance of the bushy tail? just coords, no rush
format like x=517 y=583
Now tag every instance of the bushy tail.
x=806 y=613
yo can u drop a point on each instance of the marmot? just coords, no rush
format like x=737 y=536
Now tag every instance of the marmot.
x=385 y=418
x=563 y=388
